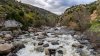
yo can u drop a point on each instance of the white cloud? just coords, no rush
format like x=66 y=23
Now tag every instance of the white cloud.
x=55 y=6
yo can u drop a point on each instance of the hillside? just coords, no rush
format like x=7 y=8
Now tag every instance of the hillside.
x=78 y=17
x=26 y=14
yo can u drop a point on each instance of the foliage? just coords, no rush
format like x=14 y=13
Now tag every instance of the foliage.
x=26 y=14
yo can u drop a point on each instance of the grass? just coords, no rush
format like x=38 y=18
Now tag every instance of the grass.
x=95 y=27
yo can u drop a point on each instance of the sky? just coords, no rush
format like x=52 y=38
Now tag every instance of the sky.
x=56 y=6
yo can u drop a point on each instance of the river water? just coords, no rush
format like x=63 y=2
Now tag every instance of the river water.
x=65 y=42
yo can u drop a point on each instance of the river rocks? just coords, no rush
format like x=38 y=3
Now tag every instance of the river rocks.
x=44 y=33
x=46 y=45
x=54 y=43
x=41 y=37
x=5 y=48
x=77 y=45
x=60 y=51
x=8 y=37
x=40 y=43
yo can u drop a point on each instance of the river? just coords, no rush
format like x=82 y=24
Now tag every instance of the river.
x=58 y=38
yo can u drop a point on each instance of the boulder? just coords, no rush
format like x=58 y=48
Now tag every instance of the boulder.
x=8 y=37
x=41 y=37
x=5 y=48
x=54 y=43
x=40 y=43
x=46 y=45
x=77 y=45
x=46 y=51
x=60 y=51
x=45 y=34
x=18 y=46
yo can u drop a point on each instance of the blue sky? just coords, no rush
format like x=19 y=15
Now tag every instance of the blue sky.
x=56 y=6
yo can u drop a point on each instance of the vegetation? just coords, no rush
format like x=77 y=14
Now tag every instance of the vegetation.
x=26 y=14
x=79 y=15
x=95 y=25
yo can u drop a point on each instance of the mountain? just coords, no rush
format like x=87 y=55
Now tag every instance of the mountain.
x=26 y=14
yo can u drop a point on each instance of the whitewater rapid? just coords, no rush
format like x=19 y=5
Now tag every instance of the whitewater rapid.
x=64 y=39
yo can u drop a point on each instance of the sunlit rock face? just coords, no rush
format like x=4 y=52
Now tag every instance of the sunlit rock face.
x=63 y=44
x=12 y=23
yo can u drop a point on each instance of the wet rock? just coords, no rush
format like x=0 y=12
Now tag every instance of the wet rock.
x=60 y=51
x=52 y=52
x=54 y=43
x=17 y=47
x=36 y=34
x=46 y=45
x=84 y=42
x=12 y=54
x=5 y=48
x=45 y=34
x=77 y=45
x=41 y=37
x=40 y=43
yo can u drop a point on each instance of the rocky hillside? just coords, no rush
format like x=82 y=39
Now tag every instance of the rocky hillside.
x=78 y=17
x=26 y=14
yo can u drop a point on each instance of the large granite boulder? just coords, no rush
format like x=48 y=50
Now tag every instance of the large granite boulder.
x=5 y=48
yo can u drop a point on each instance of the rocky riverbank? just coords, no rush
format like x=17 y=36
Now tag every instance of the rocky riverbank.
x=57 y=41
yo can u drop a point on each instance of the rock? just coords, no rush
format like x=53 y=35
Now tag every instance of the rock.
x=41 y=37
x=7 y=37
x=5 y=48
x=46 y=51
x=17 y=47
x=77 y=45
x=12 y=54
x=50 y=51
x=46 y=45
x=45 y=34
x=30 y=30
x=2 y=41
x=84 y=42
x=54 y=43
x=40 y=43
x=60 y=51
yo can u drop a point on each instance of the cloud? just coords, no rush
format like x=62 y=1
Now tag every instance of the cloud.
x=56 y=6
